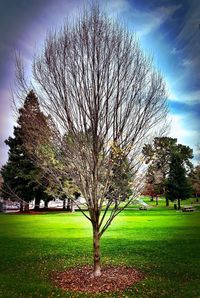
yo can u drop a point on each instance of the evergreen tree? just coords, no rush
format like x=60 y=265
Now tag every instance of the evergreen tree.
x=17 y=173
x=178 y=186
x=159 y=155
x=35 y=131
x=33 y=124
x=23 y=180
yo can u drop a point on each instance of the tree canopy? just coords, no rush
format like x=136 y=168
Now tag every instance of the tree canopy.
x=23 y=178
x=103 y=93
x=159 y=157
x=195 y=180
x=178 y=186
x=17 y=173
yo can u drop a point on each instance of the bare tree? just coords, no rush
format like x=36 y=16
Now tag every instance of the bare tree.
x=105 y=99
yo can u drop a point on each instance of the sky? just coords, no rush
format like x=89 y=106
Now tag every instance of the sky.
x=169 y=30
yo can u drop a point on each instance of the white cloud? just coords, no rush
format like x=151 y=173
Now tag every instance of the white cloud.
x=175 y=51
x=181 y=130
x=152 y=20
x=6 y=121
x=190 y=98
x=144 y=21
x=152 y=24
x=188 y=41
x=117 y=6
x=187 y=62
x=190 y=28
x=177 y=129
x=172 y=96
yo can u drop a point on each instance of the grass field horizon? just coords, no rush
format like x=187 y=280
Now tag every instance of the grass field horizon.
x=162 y=243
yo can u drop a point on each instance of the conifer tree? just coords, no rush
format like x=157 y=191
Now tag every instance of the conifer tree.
x=159 y=155
x=178 y=186
x=18 y=171
x=31 y=121
x=23 y=180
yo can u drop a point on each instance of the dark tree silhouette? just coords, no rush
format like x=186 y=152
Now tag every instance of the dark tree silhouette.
x=23 y=179
x=177 y=186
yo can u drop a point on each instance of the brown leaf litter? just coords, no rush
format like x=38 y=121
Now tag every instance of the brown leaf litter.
x=81 y=279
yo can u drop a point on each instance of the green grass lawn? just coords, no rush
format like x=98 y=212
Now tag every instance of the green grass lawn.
x=163 y=243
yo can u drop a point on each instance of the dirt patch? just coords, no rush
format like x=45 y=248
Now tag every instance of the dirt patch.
x=80 y=279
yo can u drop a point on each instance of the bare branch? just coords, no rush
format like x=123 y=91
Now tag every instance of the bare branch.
x=101 y=91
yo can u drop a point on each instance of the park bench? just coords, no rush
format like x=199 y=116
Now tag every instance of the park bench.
x=143 y=208
x=187 y=208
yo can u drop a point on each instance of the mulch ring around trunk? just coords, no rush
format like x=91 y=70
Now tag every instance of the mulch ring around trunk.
x=112 y=279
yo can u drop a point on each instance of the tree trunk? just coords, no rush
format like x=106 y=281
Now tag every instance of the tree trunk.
x=96 y=252
x=179 y=204
x=64 y=204
x=46 y=204
x=21 y=209
x=26 y=207
x=37 y=202
x=156 y=200
x=151 y=200
x=167 y=202
x=197 y=198
x=1 y=206
x=69 y=205
x=72 y=206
